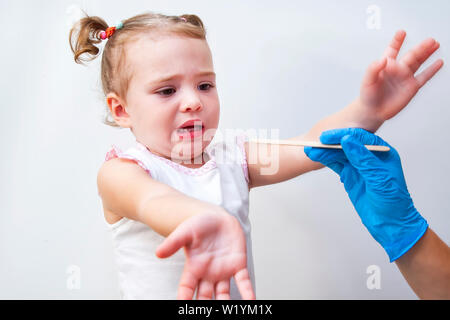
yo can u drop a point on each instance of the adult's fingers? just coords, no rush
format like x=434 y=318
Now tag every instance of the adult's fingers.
x=332 y=158
x=336 y=159
x=419 y=54
x=222 y=290
x=335 y=136
x=323 y=155
x=396 y=43
x=350 y=177
x=244 y=284
x=363 y=160
x=188 y=284
x=429 y=72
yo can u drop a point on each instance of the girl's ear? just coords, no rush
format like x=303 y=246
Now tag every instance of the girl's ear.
x=118 y=110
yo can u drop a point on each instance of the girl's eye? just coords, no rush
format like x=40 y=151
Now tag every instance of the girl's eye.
x=207 y=84
x=168 y=91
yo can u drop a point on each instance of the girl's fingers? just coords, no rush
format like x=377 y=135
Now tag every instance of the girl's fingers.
x=394 y=47
x=222 y=290
x=373 y=71
x=429 y=72
x=244 y=284
x=179 y=238
x=418 y=55
x=205 y=290
x=187 y=286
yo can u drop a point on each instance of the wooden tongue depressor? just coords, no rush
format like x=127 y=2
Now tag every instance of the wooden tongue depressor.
x=314 y=144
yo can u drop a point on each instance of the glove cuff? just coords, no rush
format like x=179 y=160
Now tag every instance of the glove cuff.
x=407 y=242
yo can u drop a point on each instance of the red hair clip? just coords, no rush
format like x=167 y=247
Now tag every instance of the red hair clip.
x=110 y=31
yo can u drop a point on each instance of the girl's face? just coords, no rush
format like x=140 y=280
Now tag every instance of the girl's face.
x=172 y=82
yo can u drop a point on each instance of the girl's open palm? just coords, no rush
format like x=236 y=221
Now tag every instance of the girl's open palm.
x=215 y=249
x=389 y=84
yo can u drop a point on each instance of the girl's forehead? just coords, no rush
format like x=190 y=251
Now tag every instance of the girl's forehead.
x=161 y=47
x=169 y=55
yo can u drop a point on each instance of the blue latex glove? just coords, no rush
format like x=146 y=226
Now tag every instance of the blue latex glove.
x=376 y=186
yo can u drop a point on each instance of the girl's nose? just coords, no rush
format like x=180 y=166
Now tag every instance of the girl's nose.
x=193 y=107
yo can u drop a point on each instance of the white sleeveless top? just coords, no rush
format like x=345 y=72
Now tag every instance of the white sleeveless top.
x=222 y=180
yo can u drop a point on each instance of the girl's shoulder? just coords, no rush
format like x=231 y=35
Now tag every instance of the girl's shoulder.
x=130 y=154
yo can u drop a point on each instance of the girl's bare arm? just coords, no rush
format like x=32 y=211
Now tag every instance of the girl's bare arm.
x=128 y=191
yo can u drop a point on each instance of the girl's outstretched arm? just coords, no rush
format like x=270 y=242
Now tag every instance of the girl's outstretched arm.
x=128 y=191
x=387 y=87
x=214 y=242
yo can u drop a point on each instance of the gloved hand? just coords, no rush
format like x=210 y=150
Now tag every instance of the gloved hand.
x=376 y=186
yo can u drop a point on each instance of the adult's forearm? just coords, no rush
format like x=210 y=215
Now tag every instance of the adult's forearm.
x=426 y=267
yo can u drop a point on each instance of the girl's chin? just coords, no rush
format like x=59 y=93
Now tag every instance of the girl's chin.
x=188 y=150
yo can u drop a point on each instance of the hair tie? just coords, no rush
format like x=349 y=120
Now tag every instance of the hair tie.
x=183 y=18
x=110 y=31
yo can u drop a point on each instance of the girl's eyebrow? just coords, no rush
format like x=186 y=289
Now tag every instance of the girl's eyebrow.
x=175 y=76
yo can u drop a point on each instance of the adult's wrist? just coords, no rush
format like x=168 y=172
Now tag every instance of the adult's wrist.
x=406 y=237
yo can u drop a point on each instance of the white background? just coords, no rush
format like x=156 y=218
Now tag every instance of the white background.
x=279 y=64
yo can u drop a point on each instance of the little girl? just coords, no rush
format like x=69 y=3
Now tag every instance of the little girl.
x=158 y=78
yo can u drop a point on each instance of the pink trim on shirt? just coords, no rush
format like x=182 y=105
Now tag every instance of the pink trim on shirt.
x=115 y=152
x=240 y=142
x=208 y=166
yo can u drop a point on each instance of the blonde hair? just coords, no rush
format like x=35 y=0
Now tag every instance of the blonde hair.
x=115 y=76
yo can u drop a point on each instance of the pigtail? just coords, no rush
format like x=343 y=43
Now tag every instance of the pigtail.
x=84 y=36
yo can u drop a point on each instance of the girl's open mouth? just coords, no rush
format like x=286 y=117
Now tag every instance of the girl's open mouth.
x=190 y=132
